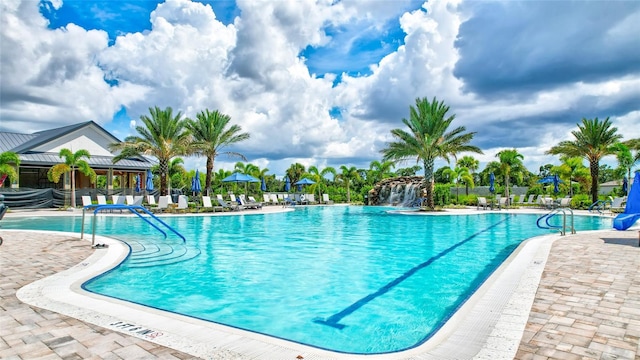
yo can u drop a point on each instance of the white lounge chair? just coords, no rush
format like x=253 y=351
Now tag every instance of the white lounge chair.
x=129 y=199
x=102 y=200
x=565 y=202
x=163 y=204
x=482 y=202
x=618 y=204
x=232 y=206
x=207 y=205
x=502 y=203
x=137 y=200
x=266 y=199
x=521 y=199
x=183 y=204
x=274 y=199
x=86 y=200
x=530 y=199
x=325 y=199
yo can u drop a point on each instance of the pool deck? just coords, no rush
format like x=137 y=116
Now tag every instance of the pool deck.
x=571 y=297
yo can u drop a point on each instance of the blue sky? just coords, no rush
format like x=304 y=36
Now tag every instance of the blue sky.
x=323 y=83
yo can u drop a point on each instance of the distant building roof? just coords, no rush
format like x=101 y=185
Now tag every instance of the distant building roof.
x=42 y=148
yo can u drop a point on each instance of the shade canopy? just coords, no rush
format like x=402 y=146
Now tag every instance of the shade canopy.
x=549 y=180
x=149 y=184
x=240 y=178
x=305 y=181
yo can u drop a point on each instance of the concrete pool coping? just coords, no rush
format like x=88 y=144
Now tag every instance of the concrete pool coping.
x=488 y=326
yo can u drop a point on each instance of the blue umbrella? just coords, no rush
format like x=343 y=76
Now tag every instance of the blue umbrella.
x=492 y=180
x=549 y=180
x=149 y=183
x=138 y=183
x=240 y=178
x=263 y=185
x=195 y=183
x=556 y=181
x=305 y=181
x=287 y=184
x=625 y=185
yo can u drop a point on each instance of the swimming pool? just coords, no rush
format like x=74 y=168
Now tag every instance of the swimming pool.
x=350 y=279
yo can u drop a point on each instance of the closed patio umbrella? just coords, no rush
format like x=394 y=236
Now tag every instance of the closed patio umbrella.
x=556 y=182
x=138 y=183
x=149 y=183
x=492 y=180
x=287 y=184
x=195 y=183
x=263 y=185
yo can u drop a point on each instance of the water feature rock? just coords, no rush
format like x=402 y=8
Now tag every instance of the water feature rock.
x=398 y=191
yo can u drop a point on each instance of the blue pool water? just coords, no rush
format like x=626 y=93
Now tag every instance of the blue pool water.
x=349 y=279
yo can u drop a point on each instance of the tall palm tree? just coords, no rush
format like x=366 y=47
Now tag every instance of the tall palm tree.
x=8 y=163
x=429 y=139
x=379 y=170
x=163 y=136
x=571 y=168
x=458 y=175
x=211 y=133
x=72 y=161
x=470 y=163
x=318 y=176
x=624 y=157
x=510 y=164
x=347 y=176
x=593 y=141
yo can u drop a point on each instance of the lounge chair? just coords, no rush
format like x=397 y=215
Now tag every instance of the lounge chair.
x=117 y=200
x=311 y=198
x=530 y=200
x=102 y=200
x=207 y=205
x=565 y=203
x=230 y=206
x=163 y=204
x=86 y=200
x=521 y=199
x=129 y=199
x=137 y=200
x=482 y=202
x=253 y=200
x=183 y=203
x=289 y=201
x=266 y=199
x=503 y=203
x=618 y=204
x=249 y=204
x=151 y=200
x=511 y=199
x=281 y=198
x=274 y=199
x=325 y=199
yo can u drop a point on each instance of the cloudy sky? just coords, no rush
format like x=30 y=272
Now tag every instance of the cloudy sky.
x=323 y=82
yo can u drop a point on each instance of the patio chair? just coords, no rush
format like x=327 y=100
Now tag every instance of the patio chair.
x=129 y=199
x=102 y=200
x=163 y=204
x=311 y=198
x=207 y=205
x=137 y=200
x=511 y=199
x=230 y=206
x=482 y=202
x=289 y=201
x=521 y=199
x=618 y=204
x=183 y=203
x=503 y=203
x=530 y=200
x=565 y=202
x=274 y=199
x=248 y=204
x=86 y=200
x=325 y=199
x=266 y=200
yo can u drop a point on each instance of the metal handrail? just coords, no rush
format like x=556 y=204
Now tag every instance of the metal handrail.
x=600 y=206
x=554 y=212
x=132 y=209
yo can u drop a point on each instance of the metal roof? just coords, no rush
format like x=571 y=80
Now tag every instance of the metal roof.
x=23 y=144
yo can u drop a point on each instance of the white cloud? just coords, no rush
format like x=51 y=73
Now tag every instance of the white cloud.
x=252 y=70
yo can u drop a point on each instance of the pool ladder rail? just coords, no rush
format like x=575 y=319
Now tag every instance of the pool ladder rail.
x=134 y=209
x=146 y=254
x=600 y=206
x=563 y=229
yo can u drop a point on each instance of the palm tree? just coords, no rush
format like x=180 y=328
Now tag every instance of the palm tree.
x=624 y=157
x=510 y=164
x=295 y=171
x=164 y=136
x=72 y=161
x=319 y=177
x=429 y=139
x=593 y=141
x=8 y=158
x=347 y=176
x=379 y=170
x=570 y=168
x=457 y=175
x=211 y=133
x=470 y=163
